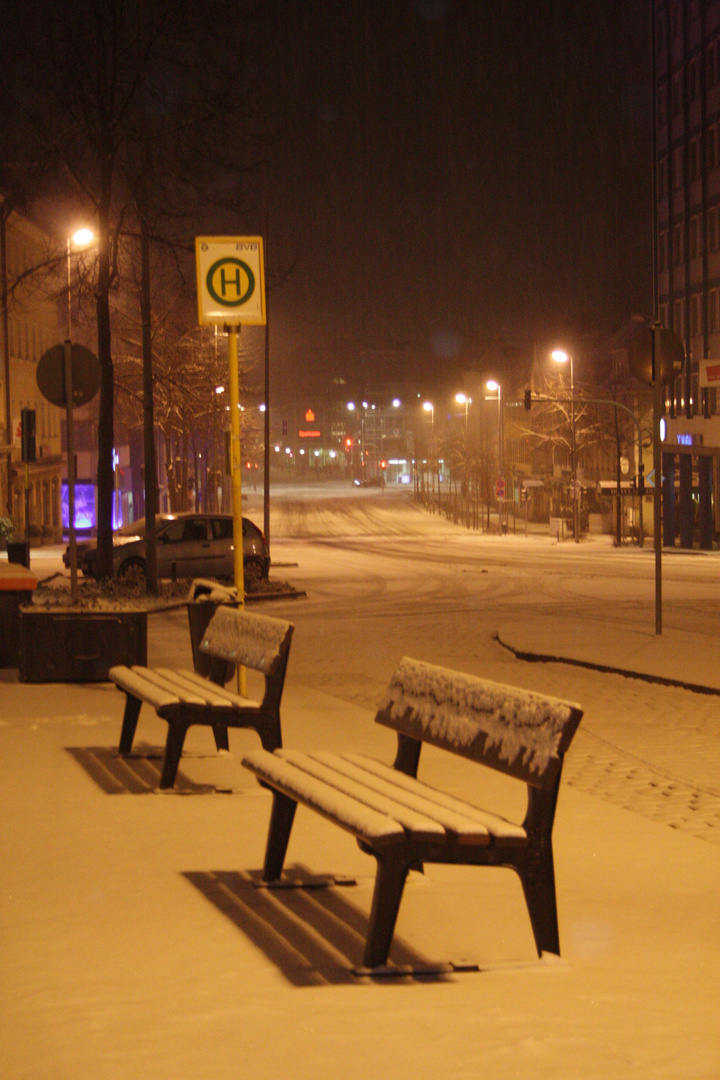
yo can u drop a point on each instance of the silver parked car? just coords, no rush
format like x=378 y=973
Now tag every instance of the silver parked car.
x=188 y=545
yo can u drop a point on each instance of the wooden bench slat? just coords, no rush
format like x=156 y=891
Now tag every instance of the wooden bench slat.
x=211 y=692
x=414 y=822
x=246 y=638
x=519 y=732
x=415 y=797
x=327 y=800
x=169 y=680
x=495 y=825
x=139 y=685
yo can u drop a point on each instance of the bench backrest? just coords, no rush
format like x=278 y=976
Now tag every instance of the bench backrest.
x=241 y=637
x=519 y=732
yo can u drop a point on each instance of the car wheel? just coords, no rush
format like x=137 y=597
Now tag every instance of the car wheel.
x=132 y=568
x=253 y=572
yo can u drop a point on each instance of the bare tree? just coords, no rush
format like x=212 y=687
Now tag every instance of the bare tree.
x=126 y=76
x=189 y=365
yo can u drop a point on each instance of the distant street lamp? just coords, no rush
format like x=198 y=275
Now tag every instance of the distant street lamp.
x=463 y=399
x=429 y=407
x=561 y=357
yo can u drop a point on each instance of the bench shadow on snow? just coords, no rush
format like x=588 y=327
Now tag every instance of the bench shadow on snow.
x=314 y=934
x=134 y=774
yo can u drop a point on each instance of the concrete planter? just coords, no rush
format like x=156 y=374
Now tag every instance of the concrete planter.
x=16 y=589
x=79 y=646
x=18 y=552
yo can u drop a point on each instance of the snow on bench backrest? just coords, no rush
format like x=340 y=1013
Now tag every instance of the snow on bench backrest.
x=245 y=638
x=516 y=731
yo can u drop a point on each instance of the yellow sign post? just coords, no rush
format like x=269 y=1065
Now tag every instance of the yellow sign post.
x=231 y=292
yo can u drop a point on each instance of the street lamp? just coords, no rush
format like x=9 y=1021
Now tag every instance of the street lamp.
x=561 y=357
x=429 y=407
x=462 y=399
x=493 y=385
x=80 y=239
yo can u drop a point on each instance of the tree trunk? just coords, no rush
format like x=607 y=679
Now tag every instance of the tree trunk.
x=618 y=476
x=107 y=389
x=151 y=492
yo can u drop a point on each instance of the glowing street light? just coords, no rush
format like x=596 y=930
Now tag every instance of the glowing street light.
x=429 y=407
x=463 y=399
x=80 y=239
x=561 y=357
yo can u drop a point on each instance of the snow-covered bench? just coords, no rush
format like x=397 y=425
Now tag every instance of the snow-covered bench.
x=183 y=698
x=403 y=822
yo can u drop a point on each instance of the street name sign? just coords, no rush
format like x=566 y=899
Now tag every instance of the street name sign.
x=230 y=280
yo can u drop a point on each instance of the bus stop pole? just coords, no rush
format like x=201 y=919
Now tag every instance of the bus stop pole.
x=236 y=474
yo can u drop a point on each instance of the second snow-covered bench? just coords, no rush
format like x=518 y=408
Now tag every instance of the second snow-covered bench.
x=184 y=698
x=403 y=822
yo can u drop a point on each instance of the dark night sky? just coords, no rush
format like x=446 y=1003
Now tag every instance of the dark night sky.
x=450 y=174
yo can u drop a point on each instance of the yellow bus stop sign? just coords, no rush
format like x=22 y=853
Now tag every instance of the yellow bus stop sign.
x=230 y=280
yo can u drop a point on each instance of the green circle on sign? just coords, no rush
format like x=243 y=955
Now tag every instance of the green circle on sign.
x=230 y=279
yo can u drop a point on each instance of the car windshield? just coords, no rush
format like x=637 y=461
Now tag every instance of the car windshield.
x=133 y=528
x=137 y=528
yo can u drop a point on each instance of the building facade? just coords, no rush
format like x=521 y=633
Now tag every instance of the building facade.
x=686 y=66
x=31 y=494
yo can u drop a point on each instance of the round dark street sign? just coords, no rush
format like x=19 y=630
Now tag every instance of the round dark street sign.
x=50 y=375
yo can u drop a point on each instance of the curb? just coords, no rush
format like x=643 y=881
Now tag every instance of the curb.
x=609 y=669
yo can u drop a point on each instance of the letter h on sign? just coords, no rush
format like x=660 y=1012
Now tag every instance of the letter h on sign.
x=234 y=280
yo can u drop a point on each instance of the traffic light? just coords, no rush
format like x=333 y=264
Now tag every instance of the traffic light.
x=27 y=435
x=528 y=400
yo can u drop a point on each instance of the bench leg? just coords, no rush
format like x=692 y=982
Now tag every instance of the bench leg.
x=538 y=881
x=130 y=719
x=281 y=821
x=389 y=885
x=173 y=753
x=221 y=737
x=268 y=728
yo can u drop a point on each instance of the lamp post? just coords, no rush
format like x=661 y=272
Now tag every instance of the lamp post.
x=80 y=239
x=429 y=407
x=561 y=357
x=463 y=399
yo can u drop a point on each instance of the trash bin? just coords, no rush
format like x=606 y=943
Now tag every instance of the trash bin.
x=203 y=601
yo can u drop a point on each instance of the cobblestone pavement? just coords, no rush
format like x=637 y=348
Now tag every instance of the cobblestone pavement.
x=599 y=768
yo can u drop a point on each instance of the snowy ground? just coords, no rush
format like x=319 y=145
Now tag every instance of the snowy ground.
x=133 y=943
